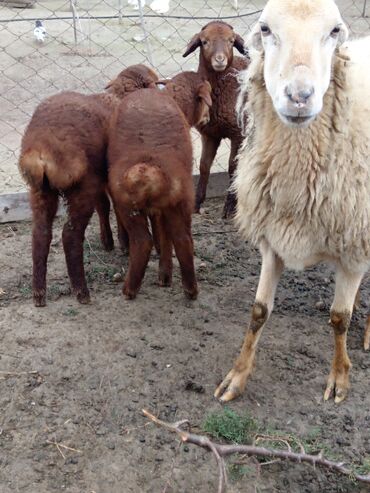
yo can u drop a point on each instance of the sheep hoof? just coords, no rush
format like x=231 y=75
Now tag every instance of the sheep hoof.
x=333 y=388
x=231 y=387
x=128 y=293
x=191 y=294
x=39 y=298
x=83 y=297
x=165 y=280
x=108 y=243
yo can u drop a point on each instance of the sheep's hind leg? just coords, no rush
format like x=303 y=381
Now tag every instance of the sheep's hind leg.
x=103 y=209
x=155 y=227
x=81 y=203
x=178 y=224
x=271 y=270
x=140 y=246
x=44 y=204
x=163 y=234
x=122 y=234
x=346 y=286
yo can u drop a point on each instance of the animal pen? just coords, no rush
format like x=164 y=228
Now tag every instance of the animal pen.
x=74 y=378
x=88 y=43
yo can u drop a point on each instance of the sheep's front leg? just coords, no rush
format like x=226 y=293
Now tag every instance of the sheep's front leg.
x=230 y=201
x=367 y=334
x=235 y=381
x=346 y=286
x=209 y=150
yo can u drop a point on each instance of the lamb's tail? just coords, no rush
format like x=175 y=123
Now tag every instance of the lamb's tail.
x=35 y=164
x=144 y=185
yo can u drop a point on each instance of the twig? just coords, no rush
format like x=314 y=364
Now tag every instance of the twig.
x=59 y=447
x=127 y=431
x=220 y=451
x=96 y=255
x=10 y=355
x=7 y=374
x=272 y=438
x=220 y=232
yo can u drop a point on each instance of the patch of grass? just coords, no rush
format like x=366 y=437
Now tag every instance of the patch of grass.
x=243 y=429
x=70 y=312
x=231 y=426
x=25 y=289
x=364 y=467
x=54 y=289
x=205 y=257
x=236 y=472
x=100 y=272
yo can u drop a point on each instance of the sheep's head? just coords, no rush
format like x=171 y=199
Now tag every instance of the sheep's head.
x=204 y=103
x=131 y=79
x=193 y=95
x=216 y=41
x=298 y=39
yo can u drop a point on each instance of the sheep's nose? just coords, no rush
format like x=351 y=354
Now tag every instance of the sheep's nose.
x=220 y=58
x=300 y=96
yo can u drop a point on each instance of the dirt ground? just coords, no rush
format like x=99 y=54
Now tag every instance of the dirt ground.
x=79 y=375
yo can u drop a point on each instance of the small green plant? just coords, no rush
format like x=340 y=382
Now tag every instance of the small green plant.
x=231 y=426
x=54 y=290
x=363 y=468
x=25 y=289
x=70 y=312
x=99 y=272
x=236 y=472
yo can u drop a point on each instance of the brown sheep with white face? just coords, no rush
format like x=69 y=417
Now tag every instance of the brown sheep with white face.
x=217 y=64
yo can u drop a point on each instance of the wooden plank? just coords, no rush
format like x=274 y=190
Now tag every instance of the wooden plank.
x=18 y=4
x=15 y=206
x=217 y=185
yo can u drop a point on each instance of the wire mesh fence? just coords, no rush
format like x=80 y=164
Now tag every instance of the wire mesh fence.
x=86 y=43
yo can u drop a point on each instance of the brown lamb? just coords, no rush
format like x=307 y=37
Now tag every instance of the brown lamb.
x=150 y=174
x=63 y=153
x=217 y=64
x=188 y=89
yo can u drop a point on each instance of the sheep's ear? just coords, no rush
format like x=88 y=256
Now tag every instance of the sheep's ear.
x=343 y=34
x=239 y=44
x=204 y=92
x=194 y=43
x=255 y=38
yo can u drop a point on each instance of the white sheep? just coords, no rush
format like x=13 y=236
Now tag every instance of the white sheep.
x=303 y=179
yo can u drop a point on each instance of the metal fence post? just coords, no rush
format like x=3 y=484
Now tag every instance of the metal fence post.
x=146 y=35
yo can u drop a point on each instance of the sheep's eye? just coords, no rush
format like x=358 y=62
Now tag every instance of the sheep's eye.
x=231 y=41
x=265 y=30
x=204 y=42
x=335 y=31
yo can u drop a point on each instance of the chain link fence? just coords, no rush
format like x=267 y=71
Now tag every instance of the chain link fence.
x=88 y=42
